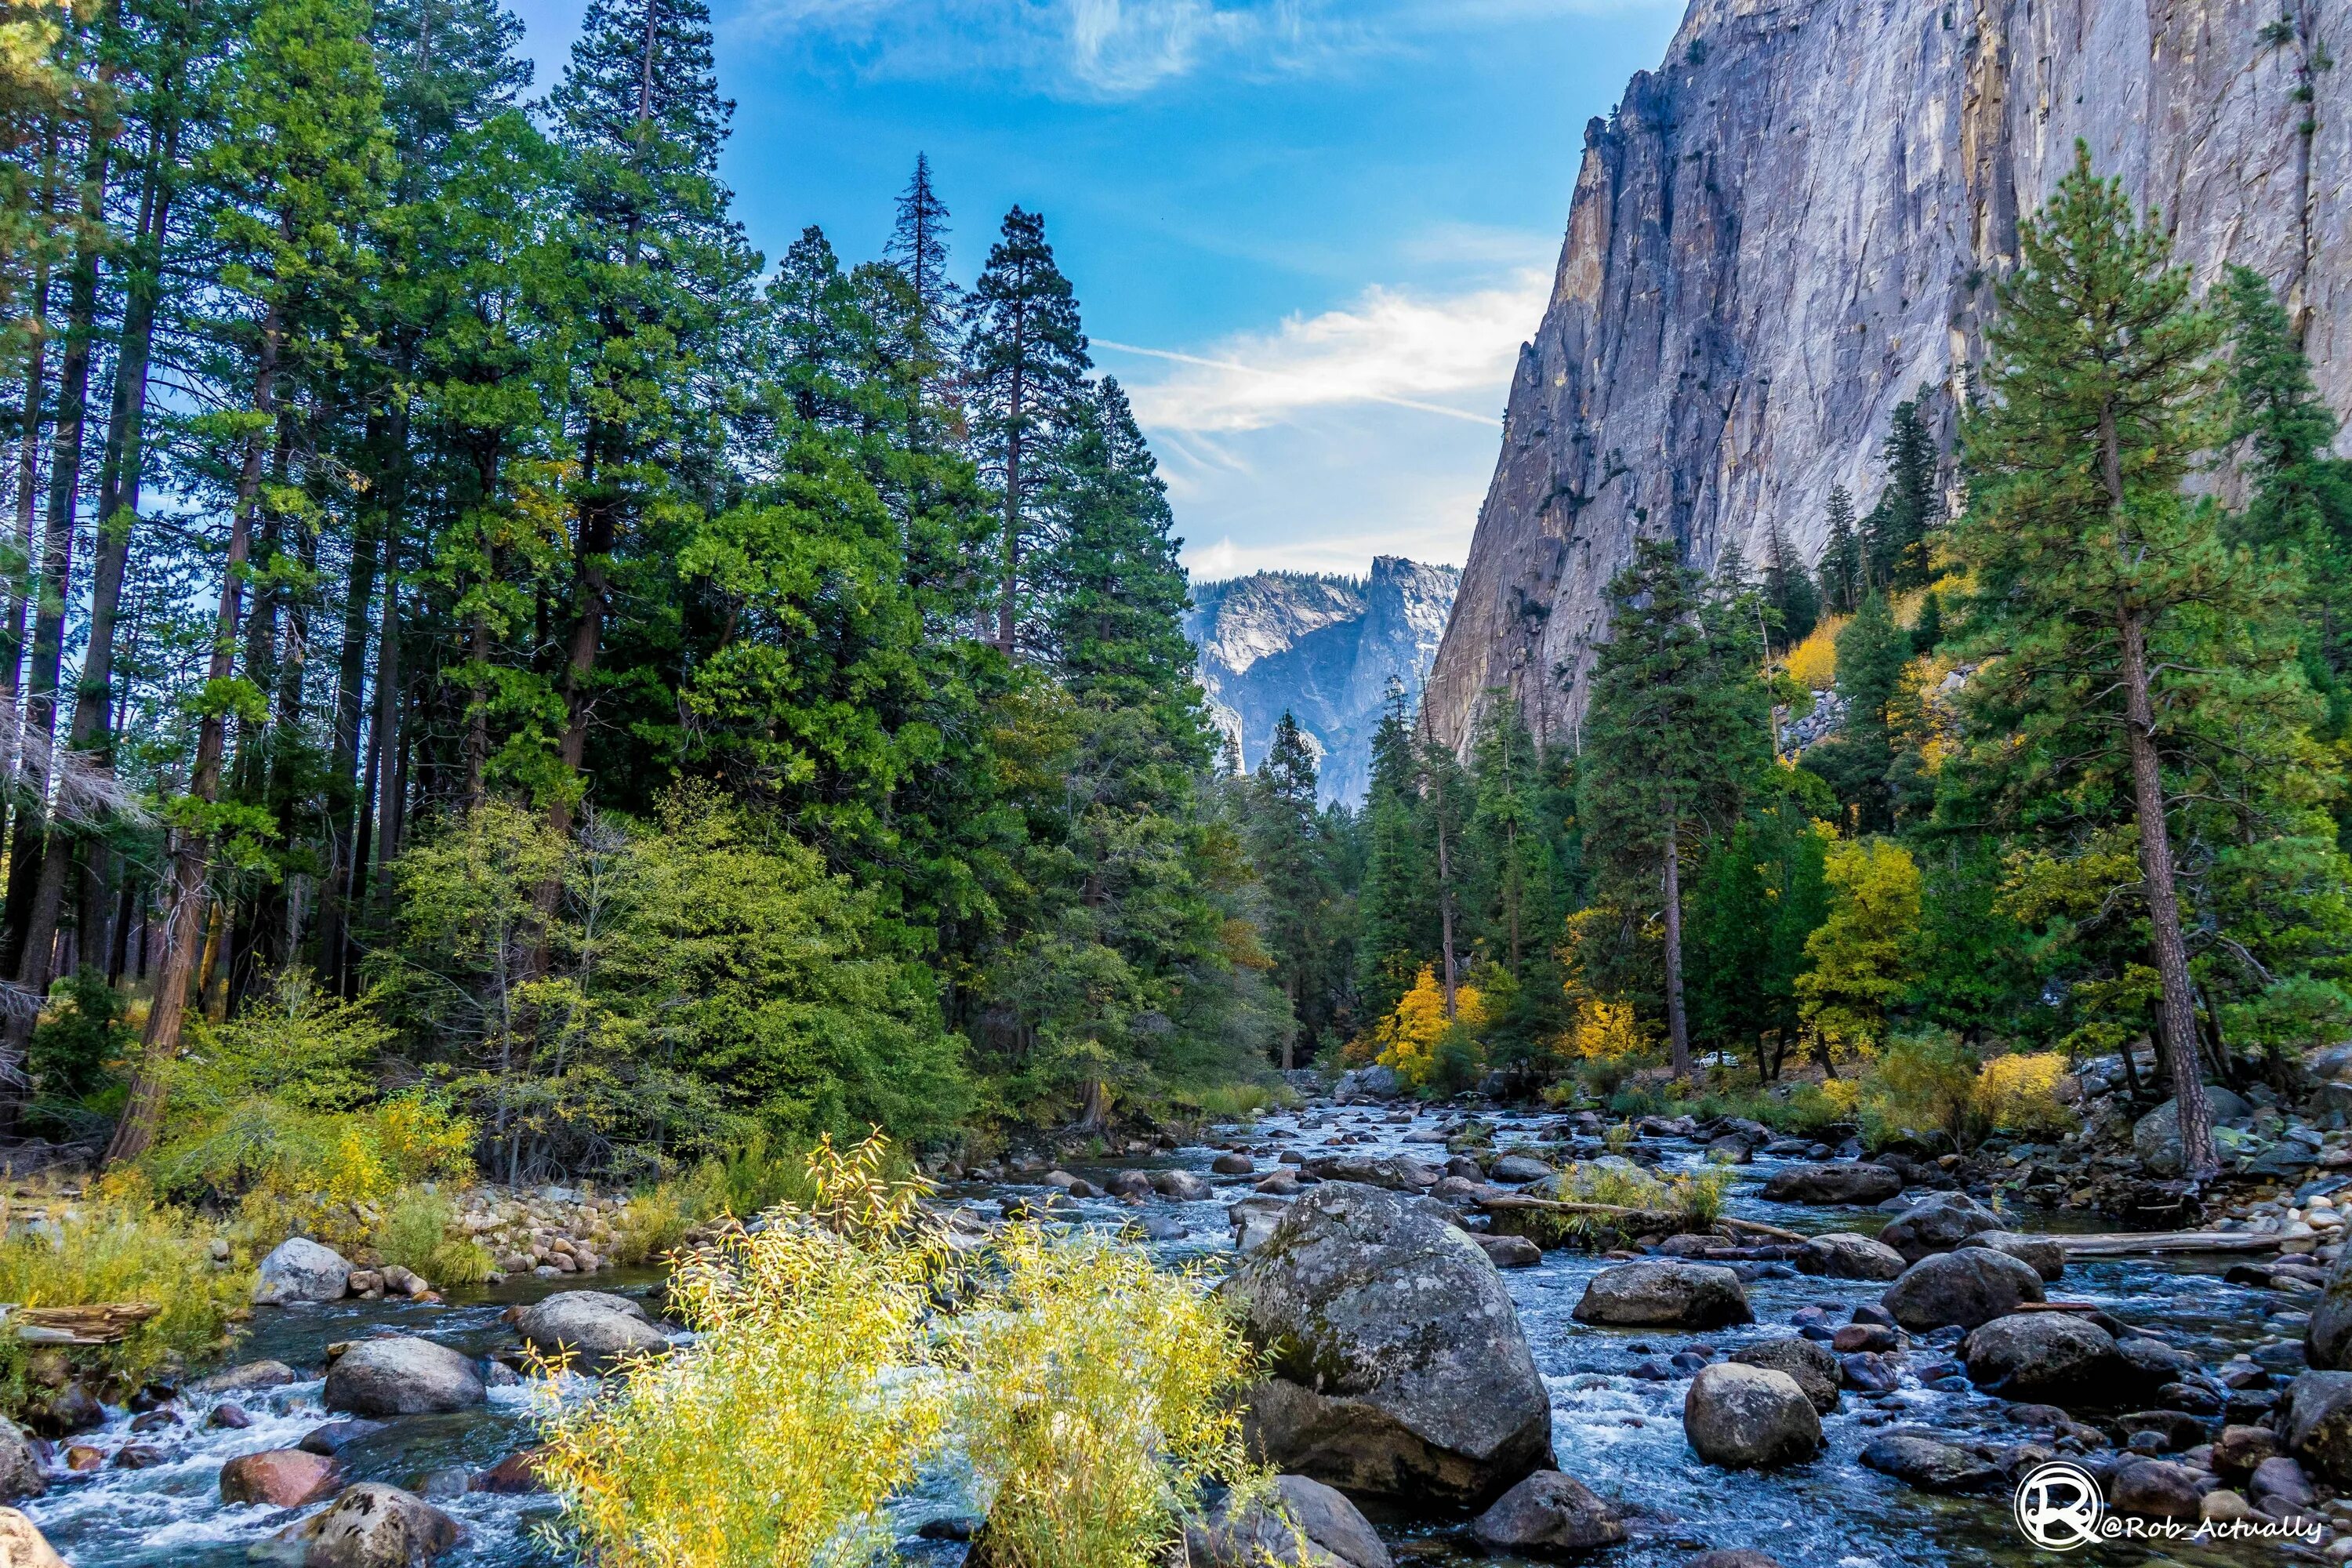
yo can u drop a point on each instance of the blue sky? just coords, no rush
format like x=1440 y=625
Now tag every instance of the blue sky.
x=1315 y=230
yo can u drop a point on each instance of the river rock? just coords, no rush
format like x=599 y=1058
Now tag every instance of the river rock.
x=2042 y=1356
x=278 y=1478
x=245 y=1375
x=403 y=1375
x=1399 y=1366
x=2156 y=1137
x=20 y=1468
x=1938 y=1223
x=1338 y=1535
x=513 y=1475
x=598 y=1328
x=2316 y=1426
x=1843 y=1255
x=2238 y=1449
x=1184 y=1186
x=1858 y=1183
x=22 y=1546
x=1815 y=1368
x=2153 y=1489
x=300 y=1269
x=2040 y=1254
x=1509 y=1251
x=1657 y=1294
x=1374 y=1082
x=2279 y=1482
x=1519 y=1169
x=1396 y=1174
x=65 y=1411
x=372 y=1526
x=1749 y=1417
x=1930 y=1464
x=1547 y=1515
x=1968 y=1288
x=2327 y=1338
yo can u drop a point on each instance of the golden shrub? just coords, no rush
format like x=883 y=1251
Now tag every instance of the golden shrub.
x=2020 y=1093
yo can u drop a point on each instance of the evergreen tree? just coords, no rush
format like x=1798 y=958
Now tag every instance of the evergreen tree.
x=918 y=247
x=1843 y=569
x=1872 y=656
x=1898 y=534
x=1396 y=910
x=1025 y=374
x=1289 y=849
x=1789 y=589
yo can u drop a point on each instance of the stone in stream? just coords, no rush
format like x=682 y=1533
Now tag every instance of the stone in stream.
x=1749 y=1417
x=2279 y=1481
x=1509 y=1251
x=1968 y=1288
x=20 y=1467
x=2238 y=1449
x=1399 y=1366
x=594 y=1327
x=1866 y=1372
x=1254 y=1219
x=1184 y=1186
x=2153 y=1489
x=227 y=1417
x=1548 y=1514
x=300 y=1269
x=1338 y=1535
x=336 y=1436
x=1853 y=1184
x=1930 y=1464
x=2316 y=1424
x=1733 y=1557
x=372 y=1526
x=1127 y=1184
x=1657 y=1294
x=1864 y=1337
x=2327 y=1338
x=1396 y=1174
x=2045 y=1357
x=22 y=1546
x=1815 y=1370
x=403 y=1375
x=65 y=1411
x=246 y=1375
x=1938 y=1223
x=2040 y=1254
x=278 y=1478
x=1843 y=1255
x=1519 y=1169
x=513 y=1475
x=1232 y=1164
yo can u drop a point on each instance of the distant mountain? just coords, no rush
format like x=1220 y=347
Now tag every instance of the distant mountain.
x=1324 y=647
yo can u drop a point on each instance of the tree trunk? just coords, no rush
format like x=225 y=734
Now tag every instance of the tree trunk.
x=142 y=1115
x=1008 y=597
x=1677 y=1026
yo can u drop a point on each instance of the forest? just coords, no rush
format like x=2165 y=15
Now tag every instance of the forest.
x=498 y=672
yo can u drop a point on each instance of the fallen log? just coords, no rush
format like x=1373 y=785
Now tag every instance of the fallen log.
x=2134 y=1244
x=95 y=1325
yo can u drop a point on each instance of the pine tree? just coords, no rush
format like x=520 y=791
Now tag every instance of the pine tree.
x=1025 y=371
x=1676 y=735
x=1789 y=589
x=1288 y=849
x=2136 y=654
x=1843 y=570
x=1397 y=920
x=918 y=247
x=1873 y=655
x=1898 y=534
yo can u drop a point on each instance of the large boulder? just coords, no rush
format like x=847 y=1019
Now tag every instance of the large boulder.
x=300 y=1269
x=1396 y=1174
x=1749 y=1417
x=20 y=1468
x=1374 y=1082
x=1938 y=1223
x=1843 y=1255
x=372 y=1526
x=22 y=1546
x=278 y=1478
x=1336 y=1534
x=1398 y=1365
x=1814 y=1365
x=1184 y=1186
x=594 y=1327
x=1666 y=1295
x=2040 y=1253
x=2156 y=1137
x=2316 y=1423
x=1970 y=1288
x=1547 y=1515
x=1854 y=1184
x=1929 y=1463
x=2043 y=1357
x=403 y=1375
x=2327 y=1338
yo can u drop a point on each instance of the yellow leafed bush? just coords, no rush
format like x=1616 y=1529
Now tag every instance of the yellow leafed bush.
x=1814 y=660
x=1605 y=1031
x=2020 y=1093
x=1415 y=1037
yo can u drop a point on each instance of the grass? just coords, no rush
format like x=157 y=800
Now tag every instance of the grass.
x=414 y=1234
x=1231 y=1101
x=1684 y=1201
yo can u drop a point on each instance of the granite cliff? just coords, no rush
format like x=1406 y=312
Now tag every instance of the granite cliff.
x=1324 y=649
x=1794 y=224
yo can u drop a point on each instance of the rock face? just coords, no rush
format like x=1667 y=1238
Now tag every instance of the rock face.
x=1399 y=1364
x=1794 y=224
x=1968 y=1288
x=2327 y=1339
x=597 y=1328
x=1749 y=1417
x=1321 y=648
x=1664 y=1295
x=1852 y=1183
x=401 y=1376
x=374 y=1525
x=1843 y=1255
x=1549 y=1514
x=300 y=1269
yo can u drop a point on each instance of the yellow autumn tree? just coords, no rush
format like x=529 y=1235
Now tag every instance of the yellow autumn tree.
x=1417 y=1039
x=1604 y=1031
x=1863 y=953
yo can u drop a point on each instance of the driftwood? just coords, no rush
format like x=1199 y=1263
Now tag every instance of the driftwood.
x=1645 y=1219
x=2133 y=1244
x=100 y=1325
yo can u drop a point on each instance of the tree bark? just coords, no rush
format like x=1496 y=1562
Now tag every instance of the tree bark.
x=1677 y=1025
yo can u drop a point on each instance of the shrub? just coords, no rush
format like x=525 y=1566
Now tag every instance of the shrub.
x=414 y=1234
x=2019 y=1093
x=1428 y=1049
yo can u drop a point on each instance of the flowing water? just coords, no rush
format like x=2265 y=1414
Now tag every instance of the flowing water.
x=1621 y=1433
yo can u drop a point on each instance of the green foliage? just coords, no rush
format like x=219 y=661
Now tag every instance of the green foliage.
x=119 y=1246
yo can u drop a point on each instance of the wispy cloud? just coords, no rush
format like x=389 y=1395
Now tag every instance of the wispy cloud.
x=1446 y=355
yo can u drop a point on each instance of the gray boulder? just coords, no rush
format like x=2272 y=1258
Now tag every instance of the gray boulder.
x=1930 y=1464
x=1509 y=1251
x=1374 y=1082
x=1938 y=1223
x=2042 y=1358
x=372 y=1526
x=20 y=1468
x=1397 y=1176
x=2156 y=1137
x=1184 y=1186
x=245 y=1375
x=1547 y=1515
x=594 y=1327
x=403 y=1375
x=1658 y=1294
x=1399 y=1366
x=1843 y=1255
x=2153 y=1489
x=2327 y=1338
x=1814 y=1365
x=2040 y=1254
x=1970 y=1288
x=1519 y=1169
x=300 y=1269
x=1749 y=1417
x=2316 y=1424
x=1335 y=1534
x=1854 y=1183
